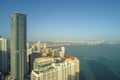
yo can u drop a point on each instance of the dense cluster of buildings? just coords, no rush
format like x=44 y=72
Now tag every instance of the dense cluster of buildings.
x=35 y=51
x=36 y=61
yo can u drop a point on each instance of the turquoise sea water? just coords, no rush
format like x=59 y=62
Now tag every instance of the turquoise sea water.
x=97 y=62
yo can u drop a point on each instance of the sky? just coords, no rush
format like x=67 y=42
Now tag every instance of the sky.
x=64 y=19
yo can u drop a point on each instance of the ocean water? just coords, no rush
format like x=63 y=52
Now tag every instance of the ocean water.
x=97 y=62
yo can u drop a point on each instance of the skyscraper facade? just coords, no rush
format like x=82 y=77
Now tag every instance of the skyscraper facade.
x=3 y=55
x=18 y=46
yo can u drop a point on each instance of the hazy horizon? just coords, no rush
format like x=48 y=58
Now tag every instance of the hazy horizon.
x=65 y=20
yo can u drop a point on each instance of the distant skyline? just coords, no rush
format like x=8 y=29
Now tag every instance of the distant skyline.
x=64 y=19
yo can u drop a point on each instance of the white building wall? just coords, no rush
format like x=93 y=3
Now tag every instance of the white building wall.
x=63 y=49
x=4 y=54
x=38 y=45
x=61 y=71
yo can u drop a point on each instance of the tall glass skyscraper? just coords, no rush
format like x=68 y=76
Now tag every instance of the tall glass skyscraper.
x=18 y=46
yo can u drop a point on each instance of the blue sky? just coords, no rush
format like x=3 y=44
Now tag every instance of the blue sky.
x=64 y=19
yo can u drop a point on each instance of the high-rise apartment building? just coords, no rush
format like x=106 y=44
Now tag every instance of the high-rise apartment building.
x=3 y=55
x=45 y=46
x=38 y=45
x=57 y=70
x=18 y=46
x=28 y=51
x=63 y=50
